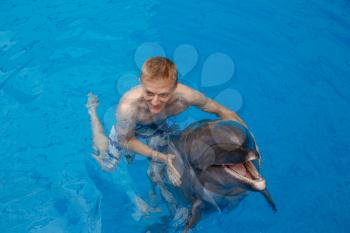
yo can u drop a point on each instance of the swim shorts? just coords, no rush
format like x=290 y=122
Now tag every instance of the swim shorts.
x=156 y=136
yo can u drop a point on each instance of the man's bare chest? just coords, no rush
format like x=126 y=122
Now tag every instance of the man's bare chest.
x=175 y=108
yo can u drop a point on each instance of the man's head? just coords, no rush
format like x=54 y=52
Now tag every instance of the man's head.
x=159 y=80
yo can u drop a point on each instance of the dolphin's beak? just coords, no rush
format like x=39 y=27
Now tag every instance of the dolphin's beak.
x=247 y=174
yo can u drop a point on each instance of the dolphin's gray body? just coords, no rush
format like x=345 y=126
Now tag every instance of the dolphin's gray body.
x=219 y=163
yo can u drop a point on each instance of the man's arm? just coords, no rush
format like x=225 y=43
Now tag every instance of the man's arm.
x=199 y=100
x=125 y=126
x=126 y=121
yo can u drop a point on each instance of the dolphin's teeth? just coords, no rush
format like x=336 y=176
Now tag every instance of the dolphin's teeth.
x=239 y=168
x=252 y=170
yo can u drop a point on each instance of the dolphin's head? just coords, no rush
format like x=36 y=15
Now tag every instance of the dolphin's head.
x=224 y=156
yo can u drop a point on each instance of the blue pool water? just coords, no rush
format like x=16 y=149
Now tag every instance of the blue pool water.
x=284 y=66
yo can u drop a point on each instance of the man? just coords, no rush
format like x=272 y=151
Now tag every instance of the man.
x=142 y=113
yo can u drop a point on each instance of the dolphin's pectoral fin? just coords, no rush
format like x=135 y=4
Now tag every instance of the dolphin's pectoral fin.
x=269 y=200
x=195 y=215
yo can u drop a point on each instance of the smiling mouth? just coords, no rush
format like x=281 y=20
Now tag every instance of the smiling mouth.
x=154 y=107
x=247 y=173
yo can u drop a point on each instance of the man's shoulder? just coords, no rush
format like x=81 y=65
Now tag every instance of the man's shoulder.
x=131 y=99
x=187 y=92
x=132 y=96
x=182 y=87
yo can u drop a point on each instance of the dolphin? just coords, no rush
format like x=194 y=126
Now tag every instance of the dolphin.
x=219 y=162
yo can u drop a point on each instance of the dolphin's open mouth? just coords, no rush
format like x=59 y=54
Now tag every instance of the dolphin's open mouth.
x=246 y=173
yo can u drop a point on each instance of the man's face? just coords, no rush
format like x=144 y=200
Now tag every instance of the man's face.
x=157 y=93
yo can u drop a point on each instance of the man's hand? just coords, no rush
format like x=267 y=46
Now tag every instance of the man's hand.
x=168 y=159
x=173 y=173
